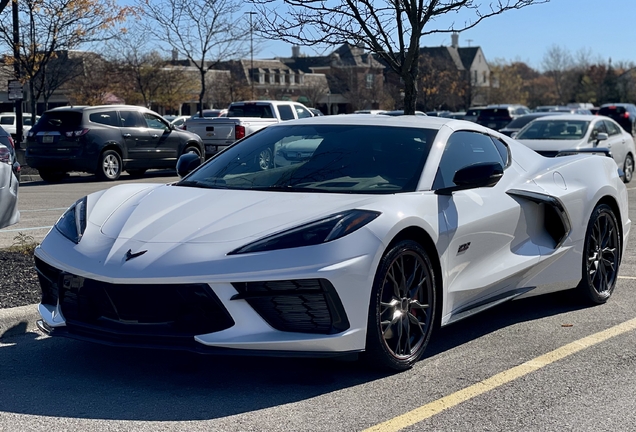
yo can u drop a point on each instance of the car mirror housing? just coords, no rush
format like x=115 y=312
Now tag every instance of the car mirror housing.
x=601 y=136
x=484 y=174
x=187 y=163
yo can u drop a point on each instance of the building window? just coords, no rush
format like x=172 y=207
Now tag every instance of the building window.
x=261 y=78
x=475 y=77
x=301 y=79
x=292 y=78
x=485 y=76
x=272 y=78
x=369 y=81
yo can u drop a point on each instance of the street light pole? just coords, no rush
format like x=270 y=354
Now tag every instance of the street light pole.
x=250 y=13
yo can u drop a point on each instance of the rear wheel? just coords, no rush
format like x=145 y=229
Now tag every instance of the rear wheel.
x=628 y=168
x=601 y=255
x=192 y=149
x=110 y=166
x=402 y=307
x=51 y=176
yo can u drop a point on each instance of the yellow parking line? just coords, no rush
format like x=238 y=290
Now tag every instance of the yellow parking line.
x=430 y=409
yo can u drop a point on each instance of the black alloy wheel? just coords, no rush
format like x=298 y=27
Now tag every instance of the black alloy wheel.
x=110 y=166
x=402 y=308
x=601 y=255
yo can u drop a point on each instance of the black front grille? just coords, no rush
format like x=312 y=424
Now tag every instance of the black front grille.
x=133 y=313
x=548 y=153
x=304 y=306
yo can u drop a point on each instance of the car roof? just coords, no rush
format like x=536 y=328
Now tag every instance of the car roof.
x=587 y=117
x=425 y=122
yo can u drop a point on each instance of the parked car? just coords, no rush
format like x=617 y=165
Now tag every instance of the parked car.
x=316 y=112
x=562 y=108
x=498 y=116
x=211 y=113
x=552 y=134
x=472 y=113
x=369 y=112
x=458 y=115
x=517 y=124
x=9 y=181
x=341 y=251
x=8 y=123
x=243 y=119
x=438 y=113
x=622 y=113
x=105 y=140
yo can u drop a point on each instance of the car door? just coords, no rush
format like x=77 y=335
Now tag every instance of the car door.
x=164 y=143
x=486 y=248
x=134 y=132
x=617 y=142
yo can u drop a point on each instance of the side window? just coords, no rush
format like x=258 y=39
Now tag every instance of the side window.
x=106 y=118
x=503 y=150
x=7 y=120
x=131 y=119
x=463 y=149
x=154 y=122
x=301 y=112
x=285 y=112
x=598 y=128
x=612 y=128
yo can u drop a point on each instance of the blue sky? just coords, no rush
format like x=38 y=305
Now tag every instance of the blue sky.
x=604 y=27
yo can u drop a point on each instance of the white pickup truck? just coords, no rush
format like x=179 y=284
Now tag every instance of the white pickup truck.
x=243 y=119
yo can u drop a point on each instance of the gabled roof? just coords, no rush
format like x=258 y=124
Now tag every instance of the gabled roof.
x=468 y=55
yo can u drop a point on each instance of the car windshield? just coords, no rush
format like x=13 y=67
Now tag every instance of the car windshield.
x=520 y=122
x=554 y=130
x=59 y=120
x=321 y=158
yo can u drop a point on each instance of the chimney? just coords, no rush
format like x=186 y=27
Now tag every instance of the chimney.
x=295 y=51
x=455 y=40
x=175 y=55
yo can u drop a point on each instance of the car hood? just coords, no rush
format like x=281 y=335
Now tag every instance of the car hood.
x=179 y=214
x=552 y=144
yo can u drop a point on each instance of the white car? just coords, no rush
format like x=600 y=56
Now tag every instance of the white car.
x=9 y=181
x=553 y=134
x=8 y=123
x=388 y=226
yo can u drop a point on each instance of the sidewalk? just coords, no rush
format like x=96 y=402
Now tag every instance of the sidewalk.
x=18 y=320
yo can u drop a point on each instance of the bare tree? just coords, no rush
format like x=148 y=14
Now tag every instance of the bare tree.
x=557 y=64
x=206 y=32
x=391 y=29
x=50 y=26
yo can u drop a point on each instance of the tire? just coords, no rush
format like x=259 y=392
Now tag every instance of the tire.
x=192 y=149
x=110 y=166
x=137 y=172
x=403 y=298
x=628 y=168
x=265 y=159
x=51 y=176
x=601 y=255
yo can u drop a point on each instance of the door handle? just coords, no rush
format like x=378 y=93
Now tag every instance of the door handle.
x=155 y=136
x=126 y=135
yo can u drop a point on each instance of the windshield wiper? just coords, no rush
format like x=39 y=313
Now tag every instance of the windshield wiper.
x=277 y=188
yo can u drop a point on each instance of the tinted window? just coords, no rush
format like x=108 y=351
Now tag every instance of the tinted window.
x=554 y=130
x=131 y=119
x=612 y=111
x=325 y=158
x=7 y=120
x=302 y=112
x=464 y=149
x=520 y=122
x=285 y=112
x=106 y=118
x=154 y=122
x=495 y=113
x=59 y=120
x=503 y=151
x=250 y=110
x=612 y=128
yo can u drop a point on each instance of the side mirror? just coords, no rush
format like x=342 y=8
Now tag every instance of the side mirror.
x=484 y=174
x=601 y=136
x=187 y=163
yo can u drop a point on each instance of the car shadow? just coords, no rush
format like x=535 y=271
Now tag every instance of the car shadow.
x=59 y=377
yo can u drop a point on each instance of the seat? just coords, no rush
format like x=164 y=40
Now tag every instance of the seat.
x=572 y=130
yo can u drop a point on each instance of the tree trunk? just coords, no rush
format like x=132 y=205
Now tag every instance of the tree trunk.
x=202 y=92
x=410 y=83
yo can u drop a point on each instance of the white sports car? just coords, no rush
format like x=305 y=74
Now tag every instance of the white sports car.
x=333 y=235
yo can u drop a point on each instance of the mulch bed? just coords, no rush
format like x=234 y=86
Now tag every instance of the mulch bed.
x=19 y=284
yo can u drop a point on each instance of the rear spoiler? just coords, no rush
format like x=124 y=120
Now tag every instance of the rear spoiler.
x=571 y=152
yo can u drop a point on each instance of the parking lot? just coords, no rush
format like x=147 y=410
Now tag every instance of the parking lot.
x=544 y=363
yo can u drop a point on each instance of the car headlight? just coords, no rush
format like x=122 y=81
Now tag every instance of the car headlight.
x=322 y=231
x=72 y=223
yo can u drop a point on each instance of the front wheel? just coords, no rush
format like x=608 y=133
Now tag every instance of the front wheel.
x=110 y=166
x=601 y=255
x=402 y=307
x=628 y=168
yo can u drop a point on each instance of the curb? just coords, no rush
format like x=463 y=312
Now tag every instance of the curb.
x=18 y=320
x=28 y=178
